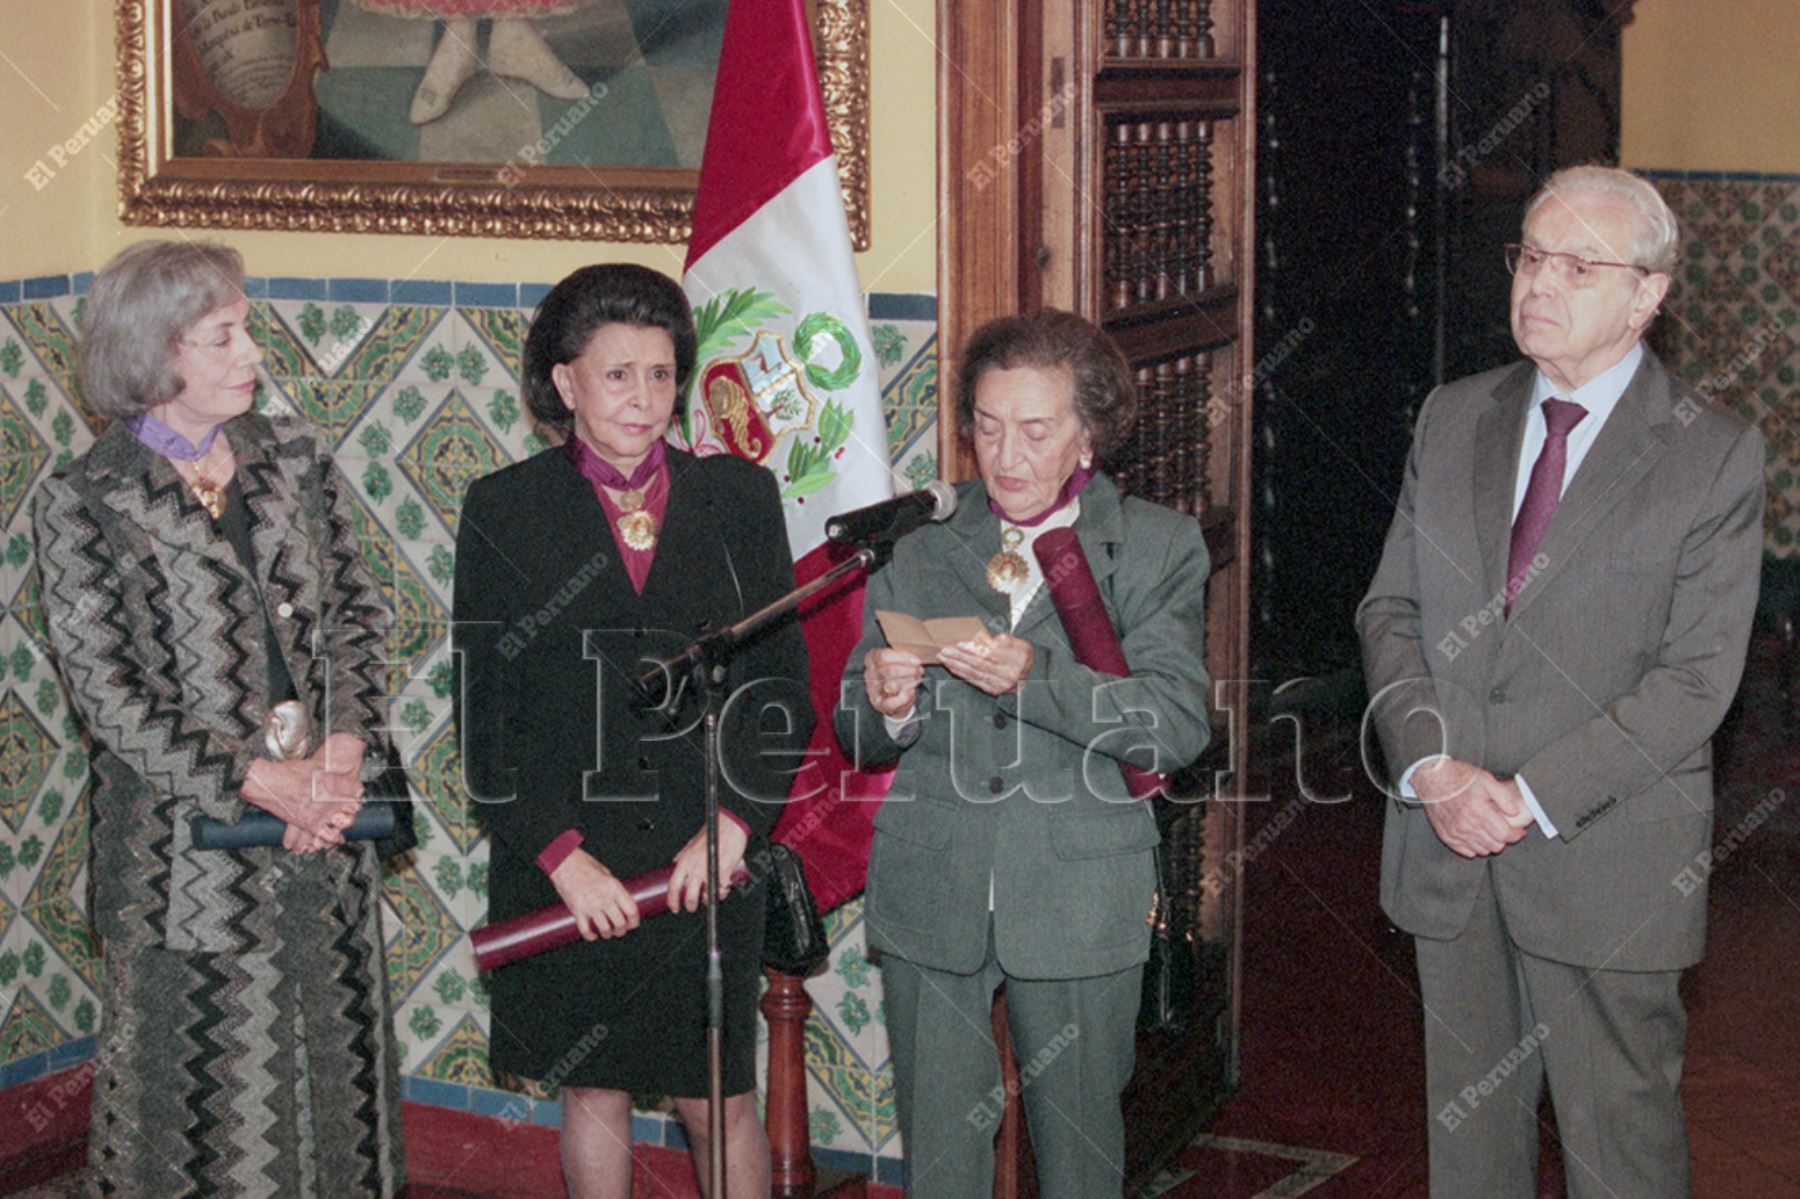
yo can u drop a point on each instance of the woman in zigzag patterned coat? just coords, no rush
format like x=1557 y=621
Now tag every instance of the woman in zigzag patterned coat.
x=199 y=566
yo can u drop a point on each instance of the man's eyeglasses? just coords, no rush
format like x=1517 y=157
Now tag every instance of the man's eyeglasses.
x=1572 y=267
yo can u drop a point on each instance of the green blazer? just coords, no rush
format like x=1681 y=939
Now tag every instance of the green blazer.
x=1025 y=790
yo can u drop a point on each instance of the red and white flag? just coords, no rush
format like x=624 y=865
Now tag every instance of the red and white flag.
x=786 y=374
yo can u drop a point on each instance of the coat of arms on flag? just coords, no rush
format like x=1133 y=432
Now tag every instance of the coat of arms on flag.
x=772 y=402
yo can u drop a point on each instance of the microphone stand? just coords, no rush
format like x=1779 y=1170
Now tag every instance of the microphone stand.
x=706 y=661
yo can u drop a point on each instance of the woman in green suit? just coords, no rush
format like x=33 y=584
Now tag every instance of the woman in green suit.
x=1007 y=849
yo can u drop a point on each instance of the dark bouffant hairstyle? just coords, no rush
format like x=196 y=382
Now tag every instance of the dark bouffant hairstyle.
x=613 y=293
x=1105 y=396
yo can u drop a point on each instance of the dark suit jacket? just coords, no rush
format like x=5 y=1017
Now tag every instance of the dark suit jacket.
x=550 y=634
x=1006 y=788
x=160 y=638
x=1604 y=687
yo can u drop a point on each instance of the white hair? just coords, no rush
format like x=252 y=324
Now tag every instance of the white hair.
x=139 y=306
x=1659 y=236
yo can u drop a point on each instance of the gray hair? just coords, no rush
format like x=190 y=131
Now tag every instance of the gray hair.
x=1659 y=236
x=140 y=306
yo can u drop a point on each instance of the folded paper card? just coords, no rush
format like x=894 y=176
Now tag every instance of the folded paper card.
x=924 y=638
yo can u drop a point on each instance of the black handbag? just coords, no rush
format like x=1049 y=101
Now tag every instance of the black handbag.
x=793 y=931
x=1171 y=975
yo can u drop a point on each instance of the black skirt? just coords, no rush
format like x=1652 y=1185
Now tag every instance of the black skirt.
x=629 y=1014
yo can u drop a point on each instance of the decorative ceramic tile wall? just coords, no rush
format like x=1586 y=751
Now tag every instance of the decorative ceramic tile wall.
x=416 y=383
x=1734 y=313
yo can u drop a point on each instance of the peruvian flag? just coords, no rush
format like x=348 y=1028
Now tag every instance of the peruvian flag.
x=786 y=375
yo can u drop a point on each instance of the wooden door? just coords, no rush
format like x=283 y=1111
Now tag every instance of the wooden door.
x=1099 y=156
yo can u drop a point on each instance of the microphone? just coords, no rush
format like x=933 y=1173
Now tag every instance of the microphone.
x=893 y=519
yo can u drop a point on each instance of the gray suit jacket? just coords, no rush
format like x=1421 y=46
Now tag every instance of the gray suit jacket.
x=1604 y=687
x=160 y=638
x=1007 y=788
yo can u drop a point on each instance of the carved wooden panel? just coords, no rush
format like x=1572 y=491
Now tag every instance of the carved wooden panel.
x=1158 y=194
x=1158 y=28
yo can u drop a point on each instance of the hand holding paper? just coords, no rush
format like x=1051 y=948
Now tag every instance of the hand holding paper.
x=925 y=639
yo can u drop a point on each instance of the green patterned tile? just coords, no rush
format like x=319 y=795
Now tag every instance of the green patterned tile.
x=53 y=344
x=436 y=775
x=461 y=1057
x=285 y=356
x=1735 y=306
x=826 y=1045
x=28 y=1029
x=452 y=450
x=854 y=1093
x=65 y=929
x=334 y=405
x=68 y=853
x=28 y=609
x=54 y=903
x=502 y=334
x=890 y=344
x=27 y=751
x=420 y=618
x=22 y=455
x=884 y=1117
x=909 y=399
x=423 y=933
x=331 y=336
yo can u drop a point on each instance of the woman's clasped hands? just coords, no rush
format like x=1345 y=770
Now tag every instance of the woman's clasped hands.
x=318 y=796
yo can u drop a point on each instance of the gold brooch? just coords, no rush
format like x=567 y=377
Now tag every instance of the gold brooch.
x=210 y=494
x=637 y=527
x=1007 y=569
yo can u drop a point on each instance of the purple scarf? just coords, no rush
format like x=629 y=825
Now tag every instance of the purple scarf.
x=598 y=470
x=1070 y=489
x=166 y=441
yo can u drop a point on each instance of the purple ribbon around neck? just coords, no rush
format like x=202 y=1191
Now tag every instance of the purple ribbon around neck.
x=1070 y=489
x=592 y=466
x=166 y=441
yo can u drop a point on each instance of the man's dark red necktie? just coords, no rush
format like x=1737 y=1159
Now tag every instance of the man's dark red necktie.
x=1541 y=494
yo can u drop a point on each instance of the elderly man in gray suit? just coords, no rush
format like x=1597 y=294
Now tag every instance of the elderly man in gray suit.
x=1556 y=628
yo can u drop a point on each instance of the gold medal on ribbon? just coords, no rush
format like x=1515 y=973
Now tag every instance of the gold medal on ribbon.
x=211 y=495
x=1007 y=569
x=637 y=527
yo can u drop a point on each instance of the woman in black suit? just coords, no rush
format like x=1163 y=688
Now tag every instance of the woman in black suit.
x=575 y=569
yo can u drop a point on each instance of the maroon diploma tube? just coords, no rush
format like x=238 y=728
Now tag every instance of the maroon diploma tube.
x=1090 y=631
x=553 y=927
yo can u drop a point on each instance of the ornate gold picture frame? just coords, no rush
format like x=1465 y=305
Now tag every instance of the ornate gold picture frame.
x=233 y=115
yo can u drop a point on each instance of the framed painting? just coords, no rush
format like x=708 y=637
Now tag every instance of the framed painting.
x=579 y=119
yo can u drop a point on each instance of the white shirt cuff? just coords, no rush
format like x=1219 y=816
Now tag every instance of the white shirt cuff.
x=1531 y=802
x=1406 y=787
x=904 y=730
